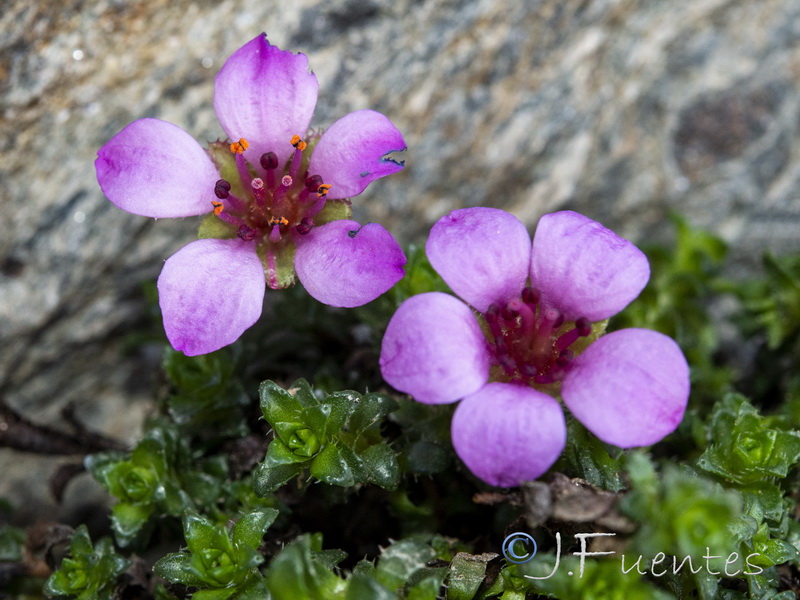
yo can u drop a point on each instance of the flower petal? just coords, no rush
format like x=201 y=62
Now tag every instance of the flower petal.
x=350 y=154
x=629 y=388
x=210 y=292
x=483 y=254
x=265 y=95
x=507 y=433
x=434 y=349
x=346 y=264
x=584 y=269
x=155 y=169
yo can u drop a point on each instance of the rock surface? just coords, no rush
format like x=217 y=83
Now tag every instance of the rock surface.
x=622 y=109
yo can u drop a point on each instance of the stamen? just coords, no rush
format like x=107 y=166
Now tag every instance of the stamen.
x=218 y=207
x=269 y=161
x=323 y=189
x=240 y=146
x=526 y=314
x=492 y=316
x=298 y=143
x=246 y=233
x=287 y=181
x=582 y=329
x=306 y=225
x=222 y=189
x=278 y=221
x=259 y=193
x=275 y=234
x=313 y=182
x=531 y=295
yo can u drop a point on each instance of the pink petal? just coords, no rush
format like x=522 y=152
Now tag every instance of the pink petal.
x=483 y=254
x=508 y=433
x=155 y=169
x=350 y=154
x=629 y=388
x=346 y=264
x=584 y=269
x=210 y=292
x=265 y=95
x=434 y=349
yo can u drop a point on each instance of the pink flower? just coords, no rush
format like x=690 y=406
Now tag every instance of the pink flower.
x=279 y=200
x=511 y=345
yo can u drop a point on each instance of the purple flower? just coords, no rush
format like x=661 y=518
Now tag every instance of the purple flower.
x=514 y=345
x=279 y=201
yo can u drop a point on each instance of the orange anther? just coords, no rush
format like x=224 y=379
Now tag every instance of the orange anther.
x=323 y=189
x=278 y=221
x=240 y=146
x=218 y=207
x=298 y=143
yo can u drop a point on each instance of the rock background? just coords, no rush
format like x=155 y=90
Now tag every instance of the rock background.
x=622 y=109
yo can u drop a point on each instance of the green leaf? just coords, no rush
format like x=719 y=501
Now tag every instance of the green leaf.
x=294 y=574
x=268 y=477
x=466 y=575
x=175 y=567
x=337 y=465
x=382 y=467
x=362 y=587
x=369 y=410
x=128 y=519
x=90 y=573
x=250 y=529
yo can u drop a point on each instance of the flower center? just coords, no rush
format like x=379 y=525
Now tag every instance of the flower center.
x=529 y=342
x=279 y=200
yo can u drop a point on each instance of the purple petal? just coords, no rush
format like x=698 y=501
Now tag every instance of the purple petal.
x=629 y=388
x=350 y=154
x=210 y=292
x=265 y=95
x=584 y=269
x=507 y=433
x=434 y=349
x=483 y=254
x=155 y=169
x=346 y=264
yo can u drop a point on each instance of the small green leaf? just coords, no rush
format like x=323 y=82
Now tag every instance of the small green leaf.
x=337 y=465
x=250 y=529
x=369 y=410
x=380 y=461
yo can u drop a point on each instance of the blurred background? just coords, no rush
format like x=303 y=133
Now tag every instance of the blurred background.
x=624 y=110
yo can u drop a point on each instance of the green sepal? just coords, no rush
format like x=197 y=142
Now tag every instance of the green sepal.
x=334 y=210
x=213 y=227
x=278 y=263
x=225 y=161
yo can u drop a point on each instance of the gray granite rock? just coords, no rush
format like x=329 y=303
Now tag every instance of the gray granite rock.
x=622 y=109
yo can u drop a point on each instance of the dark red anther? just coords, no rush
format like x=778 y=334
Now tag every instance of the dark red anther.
x=565 y=358
x=305 y=225
x=531 y=295
x=583 y=326
x=313 y=182
x=222 y=189
x=508 y=363
x=246 y=233
x=509 y=313
x=269 y=160
x=528 y=370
